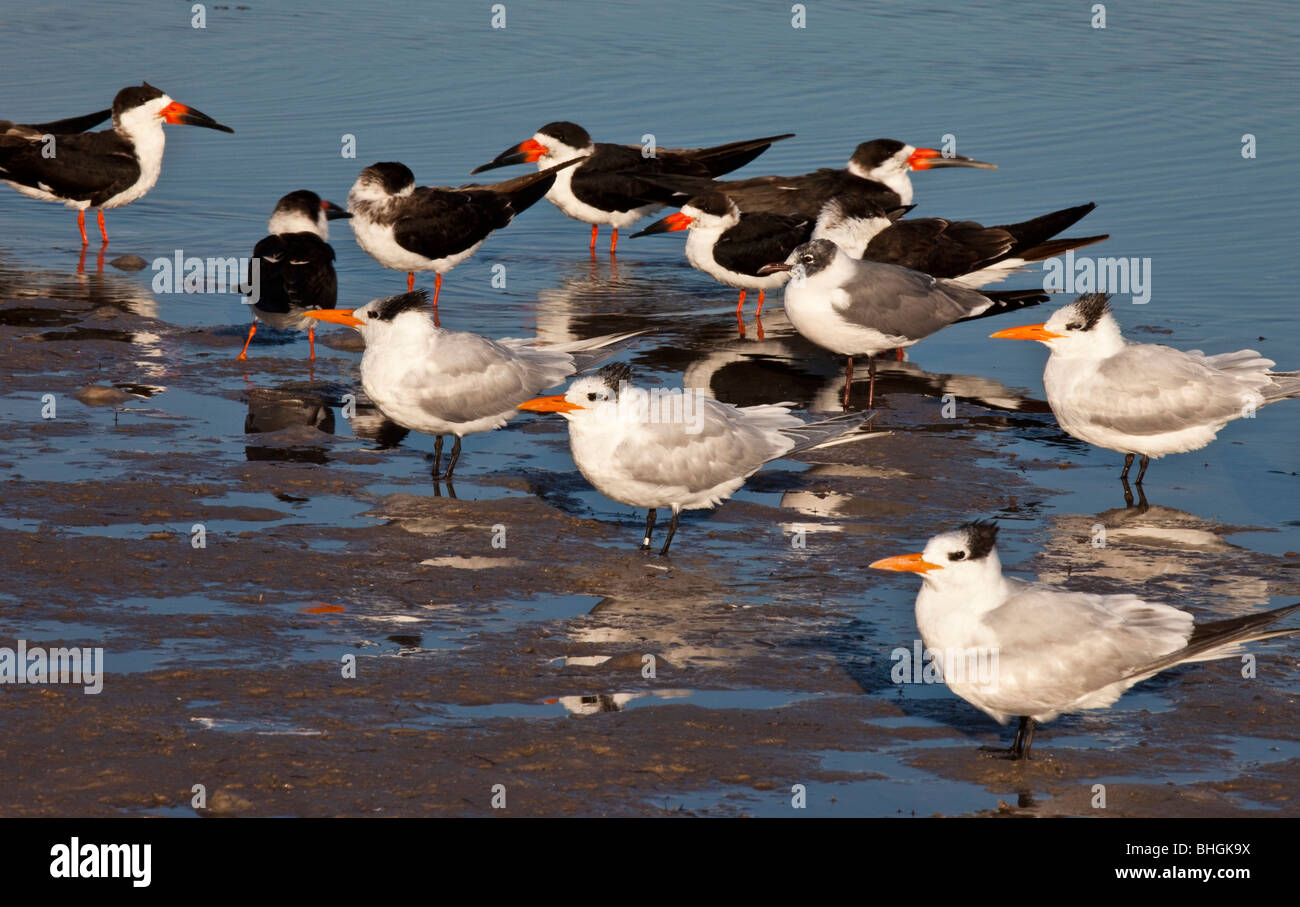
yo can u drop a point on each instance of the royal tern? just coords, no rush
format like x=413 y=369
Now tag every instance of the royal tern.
x=432 y=380
x=860 y=308
x=687 y=452
x=1144 y=399
x=295 y=265
x=434 y=228
x=99 y=170
x=608 y=186
x=1049 y=651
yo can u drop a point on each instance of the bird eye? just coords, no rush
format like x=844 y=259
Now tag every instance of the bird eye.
x=591 y=396
x=1073 y=326
x=957 y=556
x=808 y=259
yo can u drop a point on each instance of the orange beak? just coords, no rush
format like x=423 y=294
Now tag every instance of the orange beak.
x=532 y=150
x=921 y=157
x=1027 y=332
x=176 y=112
x=336 y=316
x=556 y=404
x=929 y=158
x=905 y=563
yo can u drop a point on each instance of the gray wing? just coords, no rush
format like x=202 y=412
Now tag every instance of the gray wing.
x=1061 y=646
x=472 y=377
x=899 y=302
x=731 y=443
x=1147 y=389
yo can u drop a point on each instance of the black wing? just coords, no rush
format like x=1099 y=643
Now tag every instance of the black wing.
x=438 y=222
x=89 y=167
x=939 y=247
x=295 y=272
x=759 y=239
x=804 y=195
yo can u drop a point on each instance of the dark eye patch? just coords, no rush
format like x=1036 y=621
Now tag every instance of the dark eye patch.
x=591 y=396
x=1073 y=326
x=957 y=556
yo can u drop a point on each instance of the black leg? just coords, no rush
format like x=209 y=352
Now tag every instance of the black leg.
x=848 y=381
x=871 y=381
x=1128 y=492
x=672 y=528
x=1024 y=737
x=1128 y=462
x=455 y=455
x=437 y=457
x=649 y=528
x=1146 y=461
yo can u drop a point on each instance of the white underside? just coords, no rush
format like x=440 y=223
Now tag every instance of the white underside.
x=561 y=196
x=813 y=314
x=379 y=243
x=699 y=252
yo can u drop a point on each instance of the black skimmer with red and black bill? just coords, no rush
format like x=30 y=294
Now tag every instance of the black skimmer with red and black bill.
x=100 y=170
x=434 y=228
x=878 y=172
x=606 y=188
x=295 y=266
x=732 y=246
x=861 y=308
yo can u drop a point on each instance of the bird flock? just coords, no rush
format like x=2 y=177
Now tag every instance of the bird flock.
x=860 y=278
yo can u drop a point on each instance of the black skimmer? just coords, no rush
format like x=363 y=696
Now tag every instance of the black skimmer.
x=432 y=380
x=295 y=265
x=861 y=308
x=732 y=247
x=434 y=228
x=630 y=454
x=607 y=188
x=878 y=172
x=1144 y=399
x=105 y=169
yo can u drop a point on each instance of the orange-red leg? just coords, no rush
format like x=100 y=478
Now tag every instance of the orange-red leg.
x=613 y=242
x=81 y=225
x=740 y=305
x=103 y=231
x=899 y=353
x=410 y=281
x=761 y=295
x=594 y=231
x=311 y=339
x=243 y=354
x=437 y=288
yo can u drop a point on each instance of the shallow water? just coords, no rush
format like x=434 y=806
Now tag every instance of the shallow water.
x=1145 y=117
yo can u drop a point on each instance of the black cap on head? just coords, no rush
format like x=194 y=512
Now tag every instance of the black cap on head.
x=714 y=203
x=393 y=176
x=1091 y=307
x=301 y=201
x=981 y=537
x=134 y=96
x=615 y=375
x=570 y=134
x=389 y=308
x=870 y=155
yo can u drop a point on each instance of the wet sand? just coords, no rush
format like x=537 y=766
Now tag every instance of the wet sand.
x=523 y=666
